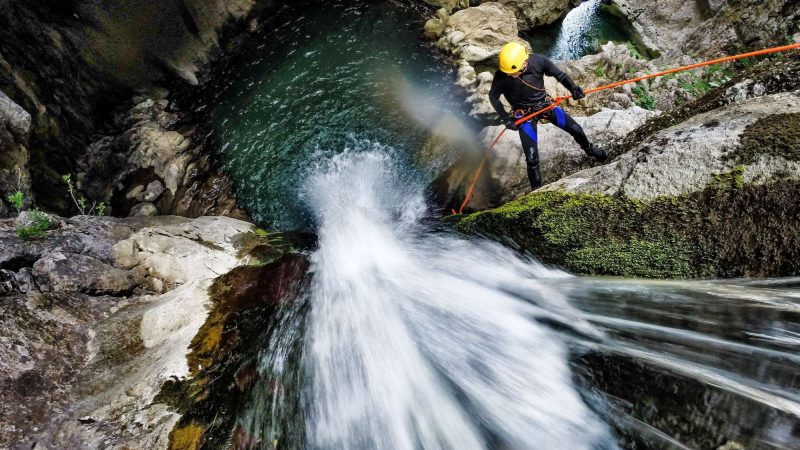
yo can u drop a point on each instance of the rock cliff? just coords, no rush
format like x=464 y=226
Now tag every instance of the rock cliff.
x=73 y=67
x=98 y=315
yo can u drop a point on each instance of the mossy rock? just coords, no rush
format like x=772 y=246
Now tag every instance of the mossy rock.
x=188 y=437
x=777 y=136
x=779 y=73
x=726 y=230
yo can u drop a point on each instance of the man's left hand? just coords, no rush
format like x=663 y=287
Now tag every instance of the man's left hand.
x=577 y=93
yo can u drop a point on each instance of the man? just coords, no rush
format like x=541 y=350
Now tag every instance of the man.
x=520 y=80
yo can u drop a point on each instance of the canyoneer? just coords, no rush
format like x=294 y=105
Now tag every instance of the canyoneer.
x=520 y=79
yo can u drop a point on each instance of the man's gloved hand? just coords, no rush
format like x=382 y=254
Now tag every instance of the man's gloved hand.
x=510 y=125
x=577 y=93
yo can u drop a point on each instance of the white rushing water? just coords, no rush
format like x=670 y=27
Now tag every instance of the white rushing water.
x=420 y=340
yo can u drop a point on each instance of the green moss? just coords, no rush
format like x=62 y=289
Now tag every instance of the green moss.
x=776 y=136
x=727 y=230
x=634 y=50
x=732 y=179
x=189 y=437
x=635 y=258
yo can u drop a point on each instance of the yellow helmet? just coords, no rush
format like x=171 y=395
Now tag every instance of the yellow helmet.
x=512 y=57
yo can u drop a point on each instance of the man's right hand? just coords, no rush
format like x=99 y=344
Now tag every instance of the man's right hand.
x=511 y=125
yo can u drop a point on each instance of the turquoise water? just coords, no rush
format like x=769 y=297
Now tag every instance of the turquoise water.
x=324 y=80
x=346 y=75
x=581 y=32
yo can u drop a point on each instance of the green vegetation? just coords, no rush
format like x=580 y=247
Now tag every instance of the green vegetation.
x=733 y=179
x=727 y=230
x=694 y=84
x=38 y=227
x=38 y=222
x=80 y=201
x=643 y=98
x=16 y=199
x=600 y=71
x=634 y=50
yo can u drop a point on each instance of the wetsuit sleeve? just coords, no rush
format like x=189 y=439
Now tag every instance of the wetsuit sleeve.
x=494 y=98
x=553 y=70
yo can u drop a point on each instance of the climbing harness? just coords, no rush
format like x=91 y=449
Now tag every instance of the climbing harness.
x=558 y=100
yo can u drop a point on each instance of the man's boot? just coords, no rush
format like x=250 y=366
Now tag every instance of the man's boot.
x=598 y=153
x=534 y=176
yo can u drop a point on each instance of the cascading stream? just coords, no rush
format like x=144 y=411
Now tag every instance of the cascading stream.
x=414 y=340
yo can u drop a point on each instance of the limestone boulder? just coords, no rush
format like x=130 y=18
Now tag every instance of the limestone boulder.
x=144 y=209
x=476 y=34
x=533 y=13
x=752 y=142
x=174 y=253
x=73 y=272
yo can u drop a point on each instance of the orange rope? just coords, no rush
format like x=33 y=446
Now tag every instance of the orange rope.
x=558 y=100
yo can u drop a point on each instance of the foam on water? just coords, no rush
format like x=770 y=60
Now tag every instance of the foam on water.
x=414 y=339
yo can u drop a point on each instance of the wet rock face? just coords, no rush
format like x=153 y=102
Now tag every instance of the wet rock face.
x=703 y=416
x=224 y=353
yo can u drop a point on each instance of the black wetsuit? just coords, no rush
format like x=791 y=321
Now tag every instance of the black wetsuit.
x=526 y=94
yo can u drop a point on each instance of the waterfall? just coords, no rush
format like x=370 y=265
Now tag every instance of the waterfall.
x=419 y=340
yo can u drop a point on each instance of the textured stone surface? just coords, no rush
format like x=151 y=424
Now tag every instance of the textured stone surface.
x=144 y=209
x=532 y=13
x=678 y=27
x=173 y=253
x=13 y=117
x=68 y=351
x=73 y=272
x=689 y=156
x=476 y=34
